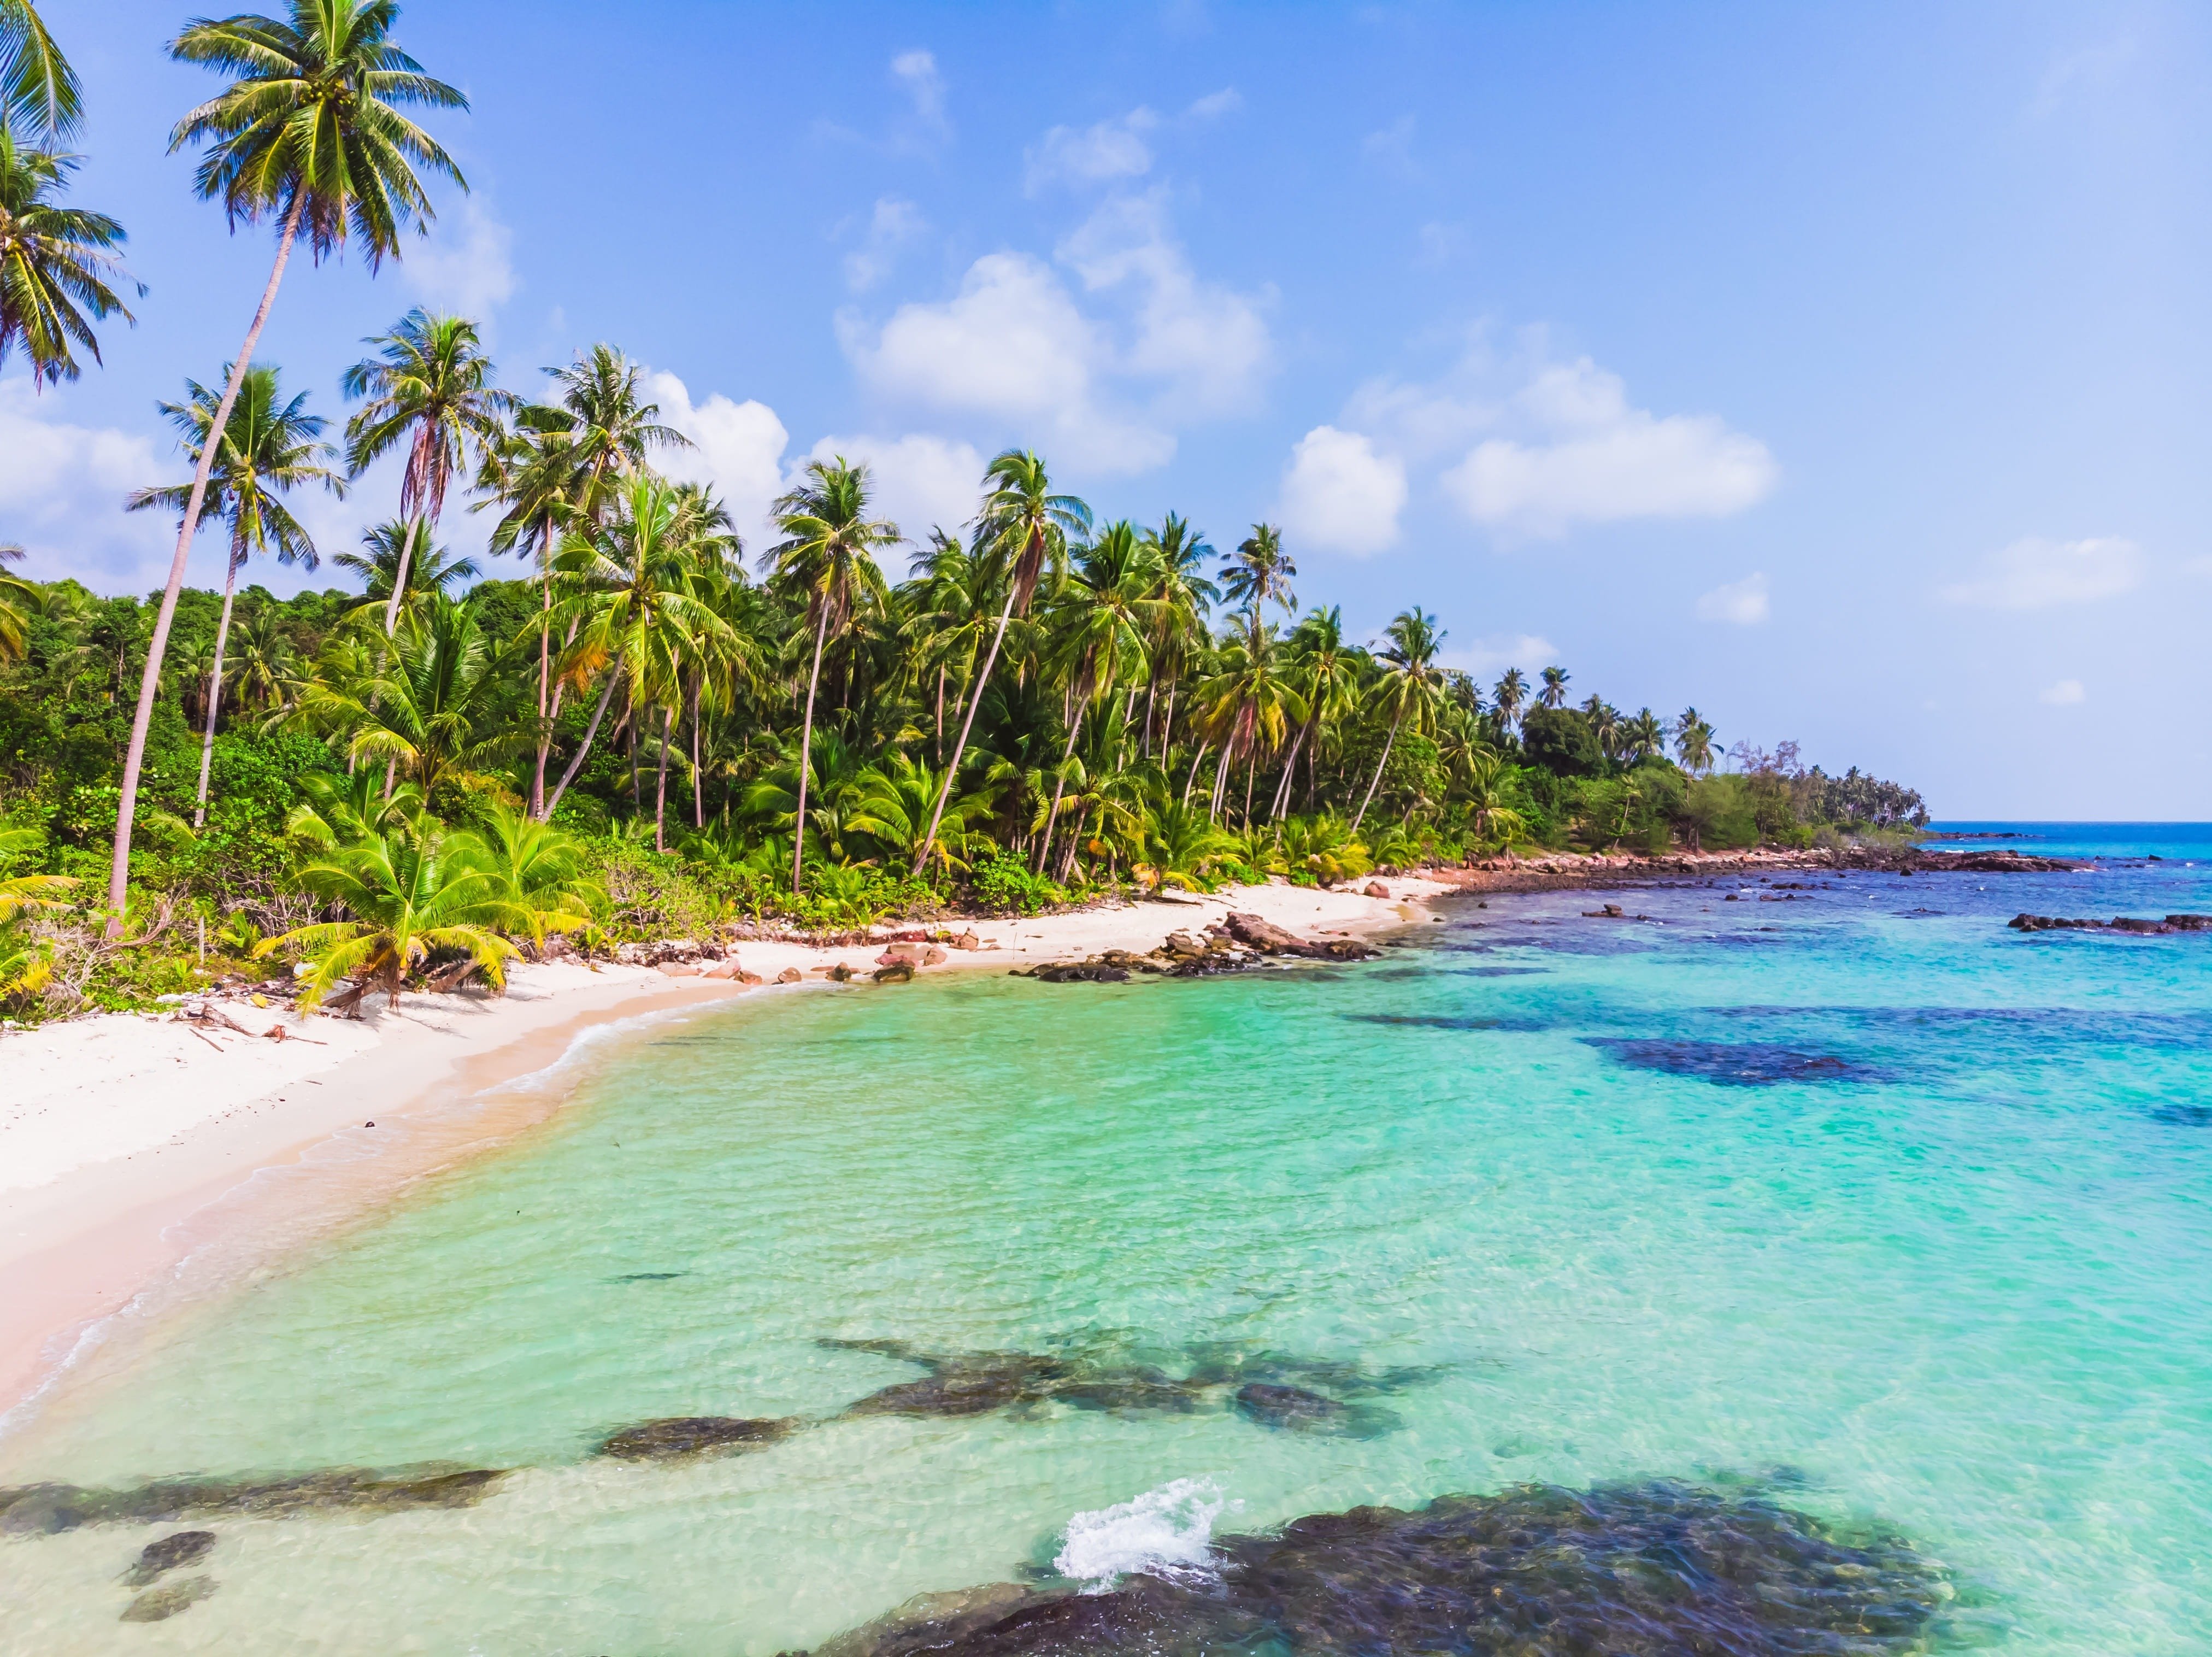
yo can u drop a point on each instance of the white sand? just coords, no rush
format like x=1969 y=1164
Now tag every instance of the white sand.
x=115 y=1130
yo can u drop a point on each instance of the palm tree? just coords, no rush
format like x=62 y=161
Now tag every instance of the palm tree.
x=429 y=387
x=38 y=89
x=560 y=468
x=1247 y=705
x=55 y=265
x=269 y=448
x=538 y=871
x=1257 y=571
x=400 y=558
x=264 y=657
x=1693 y=742
x=1326 y=674
x=1644 y=736
x=1510 y=696
x=1410 y=684
x=1101 y=617
x=17 y=598
x=309 y=133
x=827 y=558
x=893 y=805
x=1022 y=528
x=1554 y=694
x=408 y=892
x=429 y=706
x=1180 y=603
x=638 y=614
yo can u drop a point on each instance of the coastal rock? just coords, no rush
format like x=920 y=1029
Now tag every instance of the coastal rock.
x=1646 y=1569
x=1090 y=972
x=679 y=969
x=676 y=1438
x=2128 y=924
x=167 y=1553
x=1287 y=1406
x=790 y=975
x=1376 y=889
x=933 y=956
x=1183 y=945
x=159 y=1604
x=897 y=973
x=903 y=955
x=967 y=940
x=47 y=1508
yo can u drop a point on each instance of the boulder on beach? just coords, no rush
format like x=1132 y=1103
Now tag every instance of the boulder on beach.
x=896 y=972
x=790 y=975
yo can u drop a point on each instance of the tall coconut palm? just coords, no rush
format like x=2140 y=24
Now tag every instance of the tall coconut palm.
x=1411 y=684
x=400 y=557
x=17 y=601
x=309 y=134
x=269 y=448
x=430 y=388
x=1554 y=693
x=827 y=560
x=1248 y=705
x=1326 y=674
x=1510 y=696
x=1103 y=616
x=1023 y=530
x=57 y=265
x=639 y=615
x=1259 y=572
x=39 y=91
x=1181 y=602
x=1693 y=742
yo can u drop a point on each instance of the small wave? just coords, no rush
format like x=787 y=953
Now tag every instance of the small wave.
x=1167 y=1533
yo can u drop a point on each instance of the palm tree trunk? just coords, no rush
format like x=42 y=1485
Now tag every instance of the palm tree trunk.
x=399 y=577
x=637 y=792
x=149 y=681
x=967 y=722
x=937 y=731
x=544 y=675
x=1190 y=781
x=1379 y=763
x=1289 y=769
x=215 y=687
x=1152 y=691
x=805 y=752
x=1060 y=786
x=1251 y=772
x=585 y=746
x=661 y=785
x=698 y=788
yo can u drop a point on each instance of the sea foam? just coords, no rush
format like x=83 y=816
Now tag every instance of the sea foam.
x=1164 y=1533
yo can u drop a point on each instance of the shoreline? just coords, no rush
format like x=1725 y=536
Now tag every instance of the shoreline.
x=135 y=1143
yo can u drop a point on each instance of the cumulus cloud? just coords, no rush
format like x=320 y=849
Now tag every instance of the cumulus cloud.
x=1014 y=346
x=922 y=482
x=916 y=71
x=464 y=265
x=1741 y=602
x=1339 y=495
x=1596 y=459
x=1494 y=653
x=737 y=447
x=1392 y=148
x=1215 y=105
x=1111 y=149
x=891 y=225
x=61 y=493
x=2067 y=693
x=2034 y=573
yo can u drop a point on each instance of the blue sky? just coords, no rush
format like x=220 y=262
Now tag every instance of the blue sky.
x=1842 y=370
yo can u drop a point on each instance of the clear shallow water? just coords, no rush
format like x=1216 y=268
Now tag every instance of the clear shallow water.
x=1856 y=1198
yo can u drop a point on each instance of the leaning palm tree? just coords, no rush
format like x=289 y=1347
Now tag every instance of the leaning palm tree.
x=268 y=449
x=639 y=613
x=1101 y=616
x=57 y=265
x=309 y=133
x=39 y=91
x=1327 y=674
x=430 y=388
x=827 y=560
x=1023 y=527
x=1411 y=684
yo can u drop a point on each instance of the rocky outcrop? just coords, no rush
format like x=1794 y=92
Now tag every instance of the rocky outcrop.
x=1233 y=944
x=2128 y=924
x=680 y=1438
x=167 y=1553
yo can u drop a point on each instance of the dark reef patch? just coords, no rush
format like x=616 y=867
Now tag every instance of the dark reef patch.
x=2180 y=1115
x=1449 y=1021
x=47 y=1508
x=1648 y=1570
x=648 y=1276
x=1497 y=971
x=676 y=1438
x=166 y=1553
x=159 y=1604
x=1732 y=1063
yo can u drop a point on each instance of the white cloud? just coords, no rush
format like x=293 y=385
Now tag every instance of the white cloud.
x=1339 y=495
x=2067 y=693
x=1595 y=459
x=1111 y=149
x=2034 y=574
x=1741 y=602
x=1227 y=101
x=1493 y=654
x=1209 y=343
x=464 y=265
x=1392 y=148
x=61 y=492
x=1442 y=244
x=1102 y=393
x=917 y=71
x=922 y=482
x=891 y=225
x=737 y=447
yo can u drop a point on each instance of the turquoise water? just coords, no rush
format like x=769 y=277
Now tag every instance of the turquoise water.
x=1854 y=1198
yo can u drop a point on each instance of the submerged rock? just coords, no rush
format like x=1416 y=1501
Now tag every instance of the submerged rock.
x=1627 y=1570
x=159 y=1604
x=1287 y=1406
x=680 y=1437
x=166 y=1553
x=2119 y=923
x=51 y=1507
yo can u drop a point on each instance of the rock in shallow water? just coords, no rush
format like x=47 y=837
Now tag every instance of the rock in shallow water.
x=1626 y=1570
x=676 y=1438
x=47 y=1508
x=166 y=1553
x=159 y=1604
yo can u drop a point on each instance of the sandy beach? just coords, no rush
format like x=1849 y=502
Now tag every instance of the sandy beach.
x=129 y=1141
